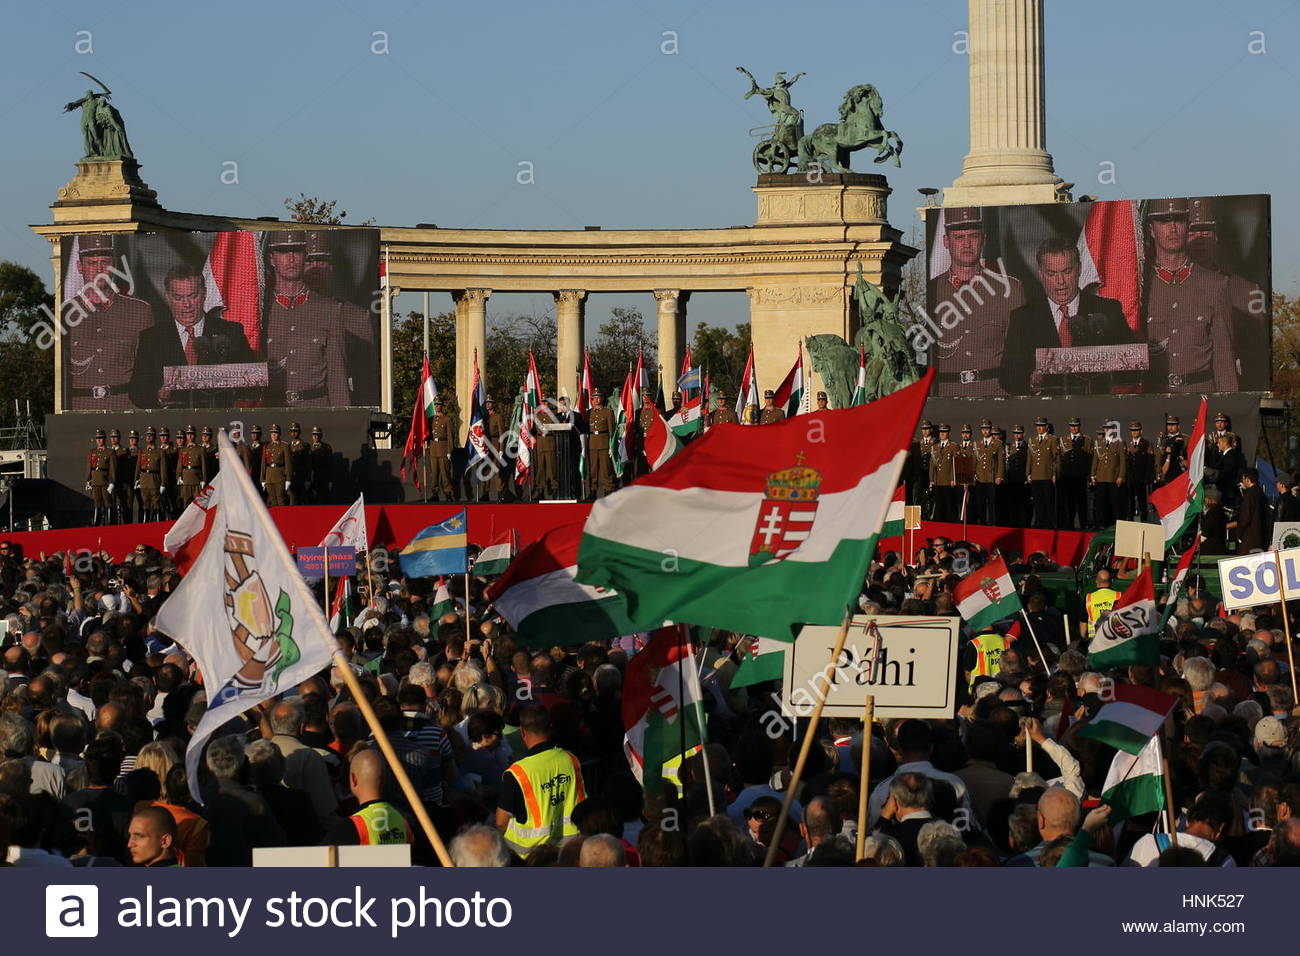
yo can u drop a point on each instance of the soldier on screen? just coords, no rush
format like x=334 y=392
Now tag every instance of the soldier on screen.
x=101 y=472
x=304 y=338
x=1076 y=469
x=358 y=324
x=1041 y=468
x=102 y=347
x=320 y=461
x=1140 y=472
x=1109 y=476
x=277 y=469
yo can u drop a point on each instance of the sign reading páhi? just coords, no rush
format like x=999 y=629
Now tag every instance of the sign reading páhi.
x=916 y=675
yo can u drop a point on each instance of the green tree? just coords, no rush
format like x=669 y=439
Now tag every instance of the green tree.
x=310 y=209
x=26 y=371
x=1286 y=372
x=721 y=354
x=408 y=358
x=615 y=349
x=509 y=339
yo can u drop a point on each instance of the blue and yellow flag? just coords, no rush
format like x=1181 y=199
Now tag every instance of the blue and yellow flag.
x=439 y=549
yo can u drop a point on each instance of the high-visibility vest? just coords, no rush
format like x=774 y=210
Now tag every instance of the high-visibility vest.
x=1098 y=603
x=551 y=783
x=381 y=823
x=988 y=648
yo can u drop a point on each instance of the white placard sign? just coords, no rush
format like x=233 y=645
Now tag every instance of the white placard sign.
x=916 y=675
x=1252 y=579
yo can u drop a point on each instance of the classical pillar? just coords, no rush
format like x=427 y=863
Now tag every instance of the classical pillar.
x=1008 y=160
x=570 y=315
x=672 y=335
x=471 y=339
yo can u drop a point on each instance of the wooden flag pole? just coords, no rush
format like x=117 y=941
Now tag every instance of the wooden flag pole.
x=1029 y=749
x=1286 y=625
x=394 y=764
x=325 y=599
x=809 y=734
x=1042 y=658
x=864 y=776
x=467 y=637
x=1170 y=809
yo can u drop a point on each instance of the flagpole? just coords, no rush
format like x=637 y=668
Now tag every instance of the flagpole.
x=1041 y=656
x=809 y=734
x=868 y=721
x=1029 y=748
x=699 y=711
x=467 y=638
x=325 y=598
x=1169 y=790
x=1286 y=624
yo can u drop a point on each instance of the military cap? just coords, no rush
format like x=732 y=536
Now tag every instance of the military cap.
x=768 y=393
x=284 y=239
x=318 y=247
x=207 y=430
x=962 y=217
x=943 y=427
x=1200 y=213
x=488 y=400
x=315 y=429
x=821 y=395
x=719 y=393
x=275 y=429
x=165 y=431
x=189 y=430
x=437 y=400
x=1171 y=419
x=1101 y=429
x=1074 y=420
x=1040 y=420
x=965 y=429
x=150 y=431
x=986 y=423
x=597 y=393
x=95 y=245
x=926 y=424
x=1220 y=417
x=256 y=430
x=99 y=433
x=115 y=433
x=293 y=427
x=1018 y=430
x=1135 y=426
x=133 y=434
x=1167 y=209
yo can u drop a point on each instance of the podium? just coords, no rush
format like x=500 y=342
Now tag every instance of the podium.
x=566 y=459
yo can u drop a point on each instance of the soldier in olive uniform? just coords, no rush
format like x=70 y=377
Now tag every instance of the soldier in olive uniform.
x=438 y=448
x=1015 y=489
x=600 y=426
x=495 y=427
x=191 y=468
x=968 y=356
x=119 y=500
x=277 y=469
x=1076 y=469
x=320 y=461
x=770 y=413
x=171 y=460
x=1173 y=451
x=105 y=329
x=990 y=470
x=304 y=332
x=1041 y=468
x=1109 y=473
x=150 y=477
x=211 y=458
x=724 y=414
x=301 y=468
x=101 y=473
x=1212 y=454
x=645 y=420
x=544 y=478
x=916 y=470
x=1140 y=472
x=128 y=477
x=251 y=455
x=943 y=477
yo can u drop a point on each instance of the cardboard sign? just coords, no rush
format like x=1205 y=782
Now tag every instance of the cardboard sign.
x=1134 y=539
x=911 y=517
x=916 y=675
x=342 y=562
x=1286 y=534
x=1254 y=579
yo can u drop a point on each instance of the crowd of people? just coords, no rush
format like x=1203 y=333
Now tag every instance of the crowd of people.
x=517 y=753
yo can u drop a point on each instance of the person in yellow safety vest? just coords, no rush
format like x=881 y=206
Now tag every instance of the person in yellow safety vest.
x=983 y=655
x=1100 y=601
x=539 y=791
x=376 y=822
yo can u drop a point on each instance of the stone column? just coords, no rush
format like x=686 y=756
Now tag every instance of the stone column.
x=570 y=316
x=672 y=335
x=471 y=338
x=1008 y=160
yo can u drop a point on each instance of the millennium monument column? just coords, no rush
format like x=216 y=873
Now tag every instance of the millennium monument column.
x=471 y=338
x=671 y=307
x=569 y=321
x=1008 y=161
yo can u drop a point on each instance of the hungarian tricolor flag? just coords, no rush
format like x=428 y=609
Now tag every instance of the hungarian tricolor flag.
x=443 y=602
x=755 y=537
x=790 y=393
x=1129 y=634
x=1176 y=585
x=1130 y=717
x=531 y=400
x=546 y=606
x=763 y=660
x=585 y=388
x=496 y=557
x=662 y=706
x=860 y=388
x=689 y=419
x=747 y=395
x=987 y=594
x=421 y=415
x=894 y=523
x=1134 y=784
x=661 y=443
x=1180 y=501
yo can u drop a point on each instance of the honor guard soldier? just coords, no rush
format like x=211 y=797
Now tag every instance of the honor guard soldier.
x=1212 y=454
x=1109 y=472
x=645 y=420
x=600 y=426
x=102 y=347
x=1173 y=451
x=192 y=468
x=1141 y=472
x=943 y=476
x=822 y=402
x=320 y=459
x=1076 y=469
x=1015 y=489
x=120 y=500
x=304 y=332
x=301 y=469
x=438 y=448
x=1041 y=468
x=277 y=469
x=990 y=469
x=544 y=478
x=128 y=477
x=211 y=459
x=916 y=470
x=101 y=472
x=495 y=427
x=964 y=465
x=770 y=413
x=724 y=414
x=171 y=462
x=251 y=455
x=150 y=477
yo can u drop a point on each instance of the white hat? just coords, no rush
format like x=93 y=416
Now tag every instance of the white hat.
x=1269 y=732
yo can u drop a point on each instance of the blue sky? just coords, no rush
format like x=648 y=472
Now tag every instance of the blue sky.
x=619 y=132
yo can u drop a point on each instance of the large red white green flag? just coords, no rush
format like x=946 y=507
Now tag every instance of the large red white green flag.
x=1129 y=634
x=987 y=594
x=1179 y=501
x=755 y=537
x=1130 y=718
x=662 y=705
